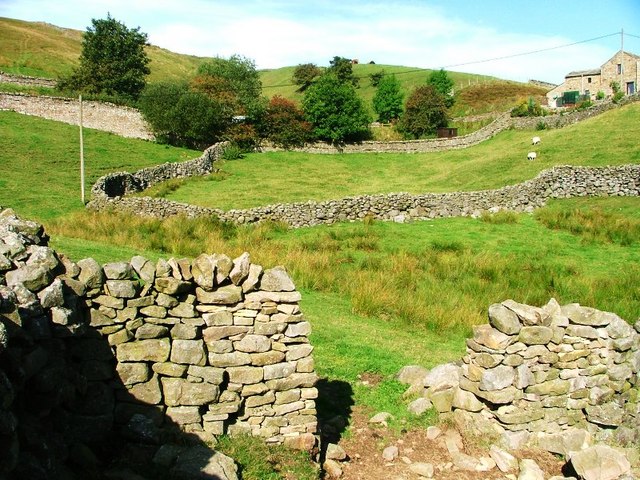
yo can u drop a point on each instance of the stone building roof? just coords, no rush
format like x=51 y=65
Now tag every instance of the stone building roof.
x=583 y=73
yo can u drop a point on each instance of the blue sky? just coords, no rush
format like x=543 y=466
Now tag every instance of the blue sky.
x=429 y=34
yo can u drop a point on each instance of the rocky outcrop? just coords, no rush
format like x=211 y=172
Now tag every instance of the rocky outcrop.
x=558 y=182
x=146 y=352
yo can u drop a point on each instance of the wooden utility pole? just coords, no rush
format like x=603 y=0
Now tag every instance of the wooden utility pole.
x=81 y=153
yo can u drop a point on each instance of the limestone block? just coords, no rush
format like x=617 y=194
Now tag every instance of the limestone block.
x=258 y=400
x=305 y=365
x=220 y=346
x=220 y=317
x=169 y=369
x=245 y=375
x=144 y=268
x=617 y=327
x=295 y=380
x=122 y=288
x=153 y=350
x=419 y=406
x=140 y=301
x=240 y=270
x=183 y=310
x=600 y=462
x=184 y=332
x=497 y=378
x=583 y=331
x=276 y=280
x=301 y=329
x=271 y=328
x=535 y=335
x=585 y=315
x=504 y=460
x=286 y=408
x=184 y=415
x=609 y=414
x=504 y=319
x=52 y=296
x=466 y=401
x=267 y=358
x=149 y=330
x=132 y=373
x=147 y=392
x=117 y=271
x=178 y=391
x=227 y=295
x=171 y=286
x=208 y=374
x=91 y=273
x=523 y=377
x=251 y=282
x=511 y=414
x=253 y=344
x=190 y=352
x=279 y=370
x=296 y=352
x=155 y=311
x=121 y=336
x=126 y=314
x=277 y=297
x=530 y=470
x=254 y=389
x=232 y=359
x=33 y=277
x=202 y=462
x=488 y=336
x=528 y=315
x=213 y=334
x=551 y=387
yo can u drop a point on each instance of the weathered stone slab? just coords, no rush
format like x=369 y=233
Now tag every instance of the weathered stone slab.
x=178 y=391
x=212 y=334
x=172 y=286
x=117 y=271
x=600 y=462
x=122 y=288
x=504 y=320
x=497 y=378
x=132 y=373
x=245 y=375
x=208 y=374
x=189 y=352
x=585 y=315
x=240 y=270
x=227 y=295
x=535 y=335
x=276 y=280
x=528 y=315
x=154 y=350
x=231 y=359
x=253 y=344
x=490 y=337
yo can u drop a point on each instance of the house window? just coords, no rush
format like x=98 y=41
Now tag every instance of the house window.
x=619 y=68
x=589 y=80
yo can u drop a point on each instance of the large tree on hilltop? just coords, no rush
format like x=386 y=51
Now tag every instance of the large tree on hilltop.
x=112 y=62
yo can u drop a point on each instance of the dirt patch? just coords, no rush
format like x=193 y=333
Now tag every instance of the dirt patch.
x=365 y=443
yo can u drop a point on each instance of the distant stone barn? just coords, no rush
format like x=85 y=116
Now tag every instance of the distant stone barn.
x=623 y=68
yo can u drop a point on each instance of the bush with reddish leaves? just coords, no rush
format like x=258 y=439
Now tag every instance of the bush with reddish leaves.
x=284 y=124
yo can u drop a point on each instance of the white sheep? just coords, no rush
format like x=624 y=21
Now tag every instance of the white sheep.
x=531 y=156
x=535 y=140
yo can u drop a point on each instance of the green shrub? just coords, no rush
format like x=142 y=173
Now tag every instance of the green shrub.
x=541 y=125
x=600 y=95
x=584 y=104
x=232 y=152
x=528 y=109
x=617 y=97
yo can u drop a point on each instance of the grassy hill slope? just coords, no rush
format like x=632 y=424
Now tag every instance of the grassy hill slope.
x=44 y=50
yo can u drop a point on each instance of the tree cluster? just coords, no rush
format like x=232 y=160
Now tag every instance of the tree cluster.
x=224 y=101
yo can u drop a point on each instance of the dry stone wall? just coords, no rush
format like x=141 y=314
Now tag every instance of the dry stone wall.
x=557 y=376
x=92 y=354
x=558 y=182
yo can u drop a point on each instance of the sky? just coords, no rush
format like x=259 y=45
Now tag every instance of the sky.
x=471 y=36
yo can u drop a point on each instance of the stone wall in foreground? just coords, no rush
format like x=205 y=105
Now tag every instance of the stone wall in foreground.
x=558 y=182
x=561 y=376
x=93 y=356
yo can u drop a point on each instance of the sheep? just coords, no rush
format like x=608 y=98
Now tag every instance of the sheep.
x=531 y=156
x=535 y=140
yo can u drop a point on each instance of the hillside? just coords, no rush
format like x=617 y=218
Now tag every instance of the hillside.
x=44 y=50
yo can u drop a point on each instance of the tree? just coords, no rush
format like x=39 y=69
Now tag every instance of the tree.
x=424 y=112
x=335 y=110
x=343 y=70
x=387 y=101
x=182 y=117
x=233 y=82
x=440 y=80
x=284 y=124
x=113 y=60
x=304 y=75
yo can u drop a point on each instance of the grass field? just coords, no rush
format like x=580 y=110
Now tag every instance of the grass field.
x=379 y=295
x=285 y=177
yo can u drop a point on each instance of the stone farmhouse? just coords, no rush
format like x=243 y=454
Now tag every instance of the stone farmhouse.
x=623 y=68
